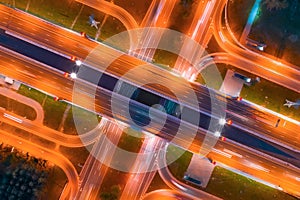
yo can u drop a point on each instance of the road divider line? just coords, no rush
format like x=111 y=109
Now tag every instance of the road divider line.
x=222 y=153
x=13 y=118
x=233 y=153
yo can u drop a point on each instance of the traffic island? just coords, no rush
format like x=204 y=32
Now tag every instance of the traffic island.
x=199 y=171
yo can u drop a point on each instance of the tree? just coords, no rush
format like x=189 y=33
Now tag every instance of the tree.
x=275 y=4
x=112 y=195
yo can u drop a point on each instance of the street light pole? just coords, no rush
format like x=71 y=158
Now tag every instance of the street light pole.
x=27 y=6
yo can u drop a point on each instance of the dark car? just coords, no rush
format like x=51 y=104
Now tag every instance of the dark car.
x=242 y=77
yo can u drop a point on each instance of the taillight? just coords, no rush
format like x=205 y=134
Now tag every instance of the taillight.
x=55 y=98
x=73 y=58
x=229 y=122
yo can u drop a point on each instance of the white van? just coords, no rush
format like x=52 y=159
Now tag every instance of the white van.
x=9 y=80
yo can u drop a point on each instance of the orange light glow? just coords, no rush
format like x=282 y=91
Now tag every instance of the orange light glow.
x=73 y=58
x=82 y=34
x=229 y=122
x=55 y=98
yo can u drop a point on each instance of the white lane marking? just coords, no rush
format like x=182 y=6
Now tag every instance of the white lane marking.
x=233 y=153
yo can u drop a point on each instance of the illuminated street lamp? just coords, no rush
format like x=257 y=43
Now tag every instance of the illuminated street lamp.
x=217 y=134
x=222 y=121
x=78 y=62
x=73 y=75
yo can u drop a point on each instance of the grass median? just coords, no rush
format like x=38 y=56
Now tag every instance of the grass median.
x=231 y=186
x=181 y=160
x=224 y=183
x=264 y=93
x=55 y=110
x=17 y=107
x=64 y=13
x=157 y=183
x=131 y=140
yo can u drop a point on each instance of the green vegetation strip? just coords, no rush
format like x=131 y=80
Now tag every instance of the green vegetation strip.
x=224 y=183
x=17 y=107
x=113 y=185
x=231 y=186
x=181 y=160
x=55 y=110
x=64 y=12
x=272 y=96
x=80 y=121
x=131 y=140
x=157 y=183
x=264 y=93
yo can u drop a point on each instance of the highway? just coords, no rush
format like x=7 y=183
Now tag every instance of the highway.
x=102 y=101
x=99 y=160
x=119 y=64
x=56 y=38
x=196 y=148
x=259 y=117
x=152 y=31
x=42 y=32
x=148 y=18
x=127 y=59
x=199 y=30
x=143 y=169
x=196 y=31
x=125 y=62
x=177 y=89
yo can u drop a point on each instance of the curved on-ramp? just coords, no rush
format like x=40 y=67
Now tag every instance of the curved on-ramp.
x=25 y=100
x=175 y=184
x=278 y=72
x=167 y=195
x=52 y=135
